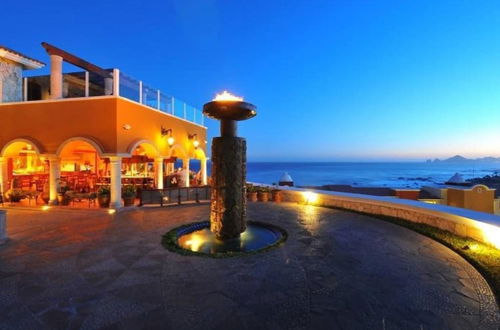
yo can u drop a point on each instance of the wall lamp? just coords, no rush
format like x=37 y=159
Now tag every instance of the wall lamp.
x=194 y=137
x=168 y=132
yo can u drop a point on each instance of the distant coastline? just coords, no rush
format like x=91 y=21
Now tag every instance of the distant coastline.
x=462 y=159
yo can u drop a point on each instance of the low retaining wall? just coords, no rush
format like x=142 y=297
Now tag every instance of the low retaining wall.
x=3 y=226
x=480 y=226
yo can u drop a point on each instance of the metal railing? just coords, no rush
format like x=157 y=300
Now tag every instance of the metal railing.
x=88 y=84
x=177 y=195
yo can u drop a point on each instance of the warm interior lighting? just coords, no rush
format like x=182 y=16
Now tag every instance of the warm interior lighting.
x=170 y=141
x=310 y=197
x=226 y=96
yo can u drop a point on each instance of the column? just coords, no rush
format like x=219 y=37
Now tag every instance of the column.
x=159 y=172
x=108 y=86
x=185 y=168
x=204 y=171
x=56 y=78
x=3 y=175
x=115 y=164
x=54 y=168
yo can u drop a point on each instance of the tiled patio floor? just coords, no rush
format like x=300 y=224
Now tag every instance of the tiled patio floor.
x=77 y=269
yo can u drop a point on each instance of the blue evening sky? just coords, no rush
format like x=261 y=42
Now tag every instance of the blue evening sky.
x=333 y=80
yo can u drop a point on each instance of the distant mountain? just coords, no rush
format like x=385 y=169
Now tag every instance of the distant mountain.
x=462 y=159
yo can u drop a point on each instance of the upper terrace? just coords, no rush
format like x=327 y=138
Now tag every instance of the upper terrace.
x=94 y=81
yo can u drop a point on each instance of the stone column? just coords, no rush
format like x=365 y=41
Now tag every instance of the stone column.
x=3 y=227
x=108 y=86
x=159 y=172
x=203 y=166
x=3 y=175
x=54 y=169
x=228 y=201
x=115 y=164
x=56 y=78
x=185 y=167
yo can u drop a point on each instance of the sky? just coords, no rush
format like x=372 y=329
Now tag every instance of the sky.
x=332 y=80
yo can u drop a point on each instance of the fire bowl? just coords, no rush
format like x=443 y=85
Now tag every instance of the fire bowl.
x=197 y=239
x=230 y=110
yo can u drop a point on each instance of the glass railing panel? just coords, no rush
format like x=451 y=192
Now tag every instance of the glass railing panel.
x=165 y=103
x=38 y=88
x=129 y=88
x=150 y=96
x=74 y=85
x=97 y=85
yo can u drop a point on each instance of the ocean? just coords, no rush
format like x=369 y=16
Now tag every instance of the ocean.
x=397 y=175
x=363 y=174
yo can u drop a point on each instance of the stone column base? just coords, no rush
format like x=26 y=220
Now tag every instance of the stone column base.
x=228 y=200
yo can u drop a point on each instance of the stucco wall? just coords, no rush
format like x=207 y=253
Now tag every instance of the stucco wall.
x=146 y=124
x=11 y=79
x=466 y=223
x=51 y=123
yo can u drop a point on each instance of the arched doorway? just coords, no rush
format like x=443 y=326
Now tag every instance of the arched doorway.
x=177 y=167
x=81 y=166
x=144 y=167
x=23 y=169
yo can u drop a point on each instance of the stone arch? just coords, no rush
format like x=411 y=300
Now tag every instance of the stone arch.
x=150 y=146
x=178 y=151
x=29 y=141
x=93 y=142
x=199 y=154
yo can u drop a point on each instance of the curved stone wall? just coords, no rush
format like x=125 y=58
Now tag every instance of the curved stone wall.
x=480 y=226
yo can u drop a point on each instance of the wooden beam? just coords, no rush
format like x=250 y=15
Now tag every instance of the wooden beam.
x=75 y=60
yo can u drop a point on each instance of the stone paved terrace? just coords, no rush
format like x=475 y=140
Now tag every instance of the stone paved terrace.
x=73 y=269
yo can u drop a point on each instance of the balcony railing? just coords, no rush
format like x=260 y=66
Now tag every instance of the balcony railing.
x=89 y=84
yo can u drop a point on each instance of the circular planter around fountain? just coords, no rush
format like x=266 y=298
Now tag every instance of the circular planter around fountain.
x=197 y=239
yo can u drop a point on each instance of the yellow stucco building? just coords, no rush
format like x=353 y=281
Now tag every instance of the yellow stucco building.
x=91 y=127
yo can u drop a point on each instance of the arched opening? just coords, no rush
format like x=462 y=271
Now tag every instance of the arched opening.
x=198 y=168
x=140 y=169
x=81 y=166
x=175 y=170
x=24 y=171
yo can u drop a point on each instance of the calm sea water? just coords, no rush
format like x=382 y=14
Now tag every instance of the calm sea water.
x=368 y=174
x=397 y=175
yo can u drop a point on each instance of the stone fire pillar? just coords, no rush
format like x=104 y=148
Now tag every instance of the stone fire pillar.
x=228 y=201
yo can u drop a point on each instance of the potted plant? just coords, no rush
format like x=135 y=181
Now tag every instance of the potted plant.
x=251 y=193
x=15 y=195
x=276 y=194
x=128 y=194
x=62 y=197
x=104 y=196
x=263 y=194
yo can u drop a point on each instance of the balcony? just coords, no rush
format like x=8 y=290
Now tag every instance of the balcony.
x=90 y=84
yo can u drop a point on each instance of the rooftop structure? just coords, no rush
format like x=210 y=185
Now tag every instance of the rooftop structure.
x=94 y=128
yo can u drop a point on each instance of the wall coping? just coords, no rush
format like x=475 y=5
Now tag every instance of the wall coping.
x=487 y=224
